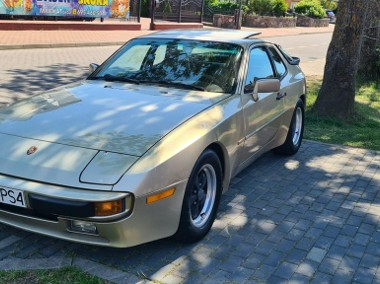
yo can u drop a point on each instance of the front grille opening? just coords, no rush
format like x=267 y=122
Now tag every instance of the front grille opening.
x=28 y=212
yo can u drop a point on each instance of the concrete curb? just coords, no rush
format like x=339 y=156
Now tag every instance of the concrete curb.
x=105 y=272
x=91 y=267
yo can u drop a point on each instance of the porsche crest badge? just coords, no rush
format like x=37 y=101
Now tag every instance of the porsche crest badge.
x=31 y=150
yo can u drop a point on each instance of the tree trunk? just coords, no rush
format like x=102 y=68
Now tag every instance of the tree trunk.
x=369 y=69
x=336 y=97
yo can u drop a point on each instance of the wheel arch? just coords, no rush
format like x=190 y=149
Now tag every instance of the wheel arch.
x=222 y=154
x=303 y=98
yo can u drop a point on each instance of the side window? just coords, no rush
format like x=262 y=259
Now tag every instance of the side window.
x=259 y=66
x=278 y=63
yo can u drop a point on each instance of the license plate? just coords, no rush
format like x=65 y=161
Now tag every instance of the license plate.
x=12 y=196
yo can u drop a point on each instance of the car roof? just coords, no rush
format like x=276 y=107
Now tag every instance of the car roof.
x=220 y=35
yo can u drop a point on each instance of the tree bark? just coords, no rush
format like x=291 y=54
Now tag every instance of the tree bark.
x=369 y=69
x=336 y=97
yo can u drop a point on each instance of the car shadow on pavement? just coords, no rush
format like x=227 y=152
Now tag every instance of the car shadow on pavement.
x=309 y=217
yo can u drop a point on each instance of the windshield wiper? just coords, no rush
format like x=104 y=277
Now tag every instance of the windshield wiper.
x=176 y=84
x=112 y=78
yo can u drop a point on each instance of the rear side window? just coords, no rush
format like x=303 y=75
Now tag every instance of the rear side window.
x=278 y=63
x=291 y=60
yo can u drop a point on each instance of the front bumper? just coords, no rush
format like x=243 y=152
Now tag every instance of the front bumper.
x=140 y=223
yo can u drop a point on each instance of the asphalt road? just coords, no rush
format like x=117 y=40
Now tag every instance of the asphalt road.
x=311 y=48
x=29 y=71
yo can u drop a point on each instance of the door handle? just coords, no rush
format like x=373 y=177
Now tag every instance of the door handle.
x=280 y=96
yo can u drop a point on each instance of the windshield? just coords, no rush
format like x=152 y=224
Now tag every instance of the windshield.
x=190 y=64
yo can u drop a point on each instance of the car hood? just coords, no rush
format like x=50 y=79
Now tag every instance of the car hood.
x=91 y=121
x=112 y=117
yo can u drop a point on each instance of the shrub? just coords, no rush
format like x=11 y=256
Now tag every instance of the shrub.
x=262 y=7
x=225 y=7
x=267 y=7
x=279 y=7
x=329 y=4
x=310 y=8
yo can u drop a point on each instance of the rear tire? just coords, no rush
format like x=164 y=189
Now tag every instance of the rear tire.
x=201 y=200
x=295 y=133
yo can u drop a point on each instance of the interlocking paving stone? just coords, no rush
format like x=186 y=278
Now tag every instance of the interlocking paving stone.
x=329 y=265
x=307 y=268
x=364 y=275
x=343 y=276
x=324 y=242
x=9 y=240
x=316 y=254
x=321 y=278
x=305 y=244
x=349 y=263
x=343 y=241
x=285 y=270
x=321 y=228
x=33 y=264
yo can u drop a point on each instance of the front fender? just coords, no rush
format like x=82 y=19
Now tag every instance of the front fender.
x=172 y=158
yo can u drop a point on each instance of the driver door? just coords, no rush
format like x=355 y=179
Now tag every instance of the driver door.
x=262 y=111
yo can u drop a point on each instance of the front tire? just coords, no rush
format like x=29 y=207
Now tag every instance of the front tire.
x=295 y=133
x=201 y=200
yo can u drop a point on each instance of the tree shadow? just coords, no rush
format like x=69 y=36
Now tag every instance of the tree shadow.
x=27 y=82
x=310 y=216
x=284 y=217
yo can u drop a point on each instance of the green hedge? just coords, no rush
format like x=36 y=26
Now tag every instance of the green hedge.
x=225 y=7
x=310 y=8
x=268 y=7
x=253 y=7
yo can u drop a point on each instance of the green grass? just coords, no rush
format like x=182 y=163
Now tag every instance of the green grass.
x=362 y=131
x=70 y=275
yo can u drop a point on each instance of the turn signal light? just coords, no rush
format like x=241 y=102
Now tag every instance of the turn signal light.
x=108 y=208
x=156 y=197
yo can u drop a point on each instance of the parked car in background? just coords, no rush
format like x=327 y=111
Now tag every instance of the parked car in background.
x=145 y=146
x=331 y=15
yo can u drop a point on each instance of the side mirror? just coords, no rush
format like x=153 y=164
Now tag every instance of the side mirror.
x=93 y=67
x=265 y=86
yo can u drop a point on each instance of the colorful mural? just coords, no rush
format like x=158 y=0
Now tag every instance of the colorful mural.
x=69 y=8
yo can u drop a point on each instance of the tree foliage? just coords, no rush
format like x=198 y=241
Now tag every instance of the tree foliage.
x=329 y=4
x=310 y=8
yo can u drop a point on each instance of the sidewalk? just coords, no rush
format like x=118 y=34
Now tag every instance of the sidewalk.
x=70 y=38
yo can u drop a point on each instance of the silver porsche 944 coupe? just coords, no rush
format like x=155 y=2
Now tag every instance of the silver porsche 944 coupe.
x=145 y=146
